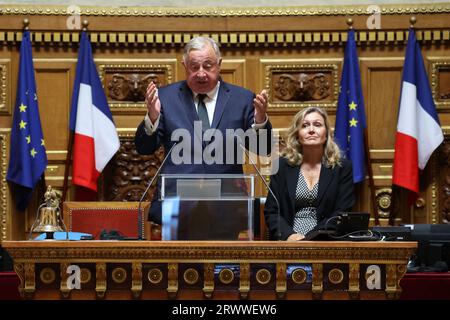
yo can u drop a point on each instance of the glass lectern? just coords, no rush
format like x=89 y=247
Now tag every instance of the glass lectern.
x=207 y=207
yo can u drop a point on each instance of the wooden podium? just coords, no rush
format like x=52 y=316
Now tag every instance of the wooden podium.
x=209 y=270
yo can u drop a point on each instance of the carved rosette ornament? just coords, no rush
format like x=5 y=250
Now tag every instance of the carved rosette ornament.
x=335 y=276
x=383 y=200
x=263 y=276
x=191 y=276
x=119 y=275
x=154 y=276
x=299 y=276
x=226 y=276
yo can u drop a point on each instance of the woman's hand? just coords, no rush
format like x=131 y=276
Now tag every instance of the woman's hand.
x=295 y=237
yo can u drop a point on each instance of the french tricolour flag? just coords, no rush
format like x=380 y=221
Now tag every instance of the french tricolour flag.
x=418 y=130
x=95 y=136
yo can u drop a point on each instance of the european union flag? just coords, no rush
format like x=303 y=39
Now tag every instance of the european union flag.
x=350 y=114
x=28 y=158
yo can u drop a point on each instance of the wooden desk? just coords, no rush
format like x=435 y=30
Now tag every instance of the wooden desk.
x=210 y=270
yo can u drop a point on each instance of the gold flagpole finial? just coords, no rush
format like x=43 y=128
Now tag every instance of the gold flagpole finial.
x=26 y=23
x=413 y=21
x=85 y=25
x=350 y=23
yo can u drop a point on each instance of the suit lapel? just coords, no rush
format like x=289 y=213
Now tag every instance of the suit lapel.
x=222 y=98
x=187 y=102
x=292 y=180
x=326 y=174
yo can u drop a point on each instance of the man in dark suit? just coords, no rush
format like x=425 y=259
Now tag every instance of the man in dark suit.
x=202 y=101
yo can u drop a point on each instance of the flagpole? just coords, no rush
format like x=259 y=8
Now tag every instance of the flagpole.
x=68 y=161
x=371 y=182
x=42 y=184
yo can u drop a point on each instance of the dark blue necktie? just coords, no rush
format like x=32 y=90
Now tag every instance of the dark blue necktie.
x=202 y=112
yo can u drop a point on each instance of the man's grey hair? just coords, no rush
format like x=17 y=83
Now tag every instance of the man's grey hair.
x=199 y=43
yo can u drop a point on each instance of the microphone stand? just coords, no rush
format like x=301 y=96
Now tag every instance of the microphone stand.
x=148 y=188
x=268 y=188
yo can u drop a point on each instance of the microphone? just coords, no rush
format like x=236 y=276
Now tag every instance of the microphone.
x=148 y=188
x=268 y=188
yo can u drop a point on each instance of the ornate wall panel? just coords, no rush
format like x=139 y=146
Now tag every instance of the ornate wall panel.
x=440 y=82
x=301 y=83
x=125 y=82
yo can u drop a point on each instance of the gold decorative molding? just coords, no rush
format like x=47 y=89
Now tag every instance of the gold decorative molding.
x=63 y=287
x=275 y=66
x=100 y=278
x=136 y=279
x=440 y=78
x=434 y=191
x=281 y=283
x=317 y=280
x=172 y=280
x=235 y=39
x=5 y=87
x=231 y=252
x=30 y=280
x=353 y=280
x=30 y=257
x=5 y=207
x=208 y=280
x=394 y=273
x=137 y=11
x=244 y=280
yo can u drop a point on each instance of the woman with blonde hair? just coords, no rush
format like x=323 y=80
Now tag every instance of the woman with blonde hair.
x=313 y=183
